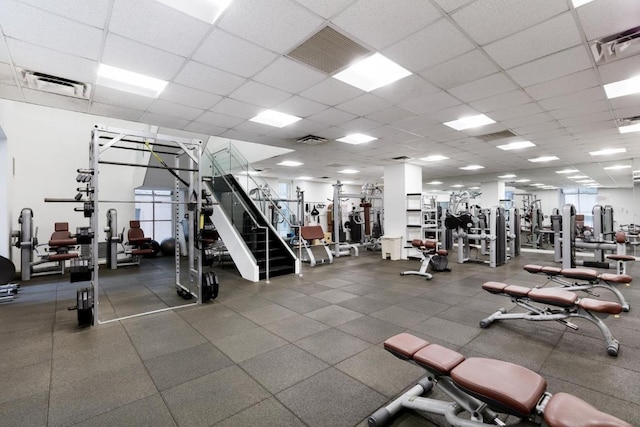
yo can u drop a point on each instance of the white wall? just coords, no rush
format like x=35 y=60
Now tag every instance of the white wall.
x=5 y=174
x=621 y=201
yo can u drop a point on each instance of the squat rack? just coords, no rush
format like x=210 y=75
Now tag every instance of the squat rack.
x=105 y=138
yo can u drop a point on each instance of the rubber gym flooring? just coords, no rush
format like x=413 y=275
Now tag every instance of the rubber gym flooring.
x=298 y=351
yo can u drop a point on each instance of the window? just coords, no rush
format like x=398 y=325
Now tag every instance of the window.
x=584 y=199
x=154 y=210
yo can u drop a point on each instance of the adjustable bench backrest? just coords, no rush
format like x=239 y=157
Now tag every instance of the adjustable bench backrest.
x=312 y=232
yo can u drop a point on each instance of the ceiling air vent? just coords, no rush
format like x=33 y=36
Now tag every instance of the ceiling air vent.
x=311 y=140
x=616 y=46
x=53 y=84
x=496 y=135
x=629 y=121
x=328 y=51
x=402 y=158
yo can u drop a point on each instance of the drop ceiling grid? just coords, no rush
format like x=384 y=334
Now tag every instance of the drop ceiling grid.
x=200 y=76
x=301 y=107
x=289 y=75
x=551 y=67
x=463 y=69
x=581 y=80
x=603 y=18
x=325 y=8
x=190 y=97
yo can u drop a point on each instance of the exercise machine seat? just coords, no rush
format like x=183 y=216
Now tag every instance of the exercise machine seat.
x=61 y=236
x=565 y=410
x=311 y=232
x=600 y=306
x=509 y=387
x=404 y=345
x=553 y=296
x=438 y=359
x=615 y=278
x=551 y=271
x=517 y=291
x=494 y=287
x=135 y=235
x=533 y=268
x=621 y=257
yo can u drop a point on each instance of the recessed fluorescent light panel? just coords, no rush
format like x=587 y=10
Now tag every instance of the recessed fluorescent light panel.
x=304 y=178
x=434 y=182
x=629 y=128
x=623 y=87
x=543 y=159
x=434 y=158
x=617 y=167
x=537 y=185
x=578 y=177
x=523 y=180
x=349 y=171
x=472 y=167
x=578 y=3
x=291 y=163
x=346 y=182
x=205 y=10
x=586 y=181
x=608 y=151
x=474 y=188
x=128 y=81
x=357 y=138
x=275 y=118
x=509 y=175
x=516 y=145
x=470 y=122
x=372 y=72
x=568 y=171
x=457 y=186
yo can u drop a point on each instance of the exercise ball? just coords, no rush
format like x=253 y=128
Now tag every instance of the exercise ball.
x=168 y=246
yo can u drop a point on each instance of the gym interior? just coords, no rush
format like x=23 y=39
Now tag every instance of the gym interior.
x=320 y=213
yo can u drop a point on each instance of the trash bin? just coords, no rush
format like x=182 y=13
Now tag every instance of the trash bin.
x=391 y=247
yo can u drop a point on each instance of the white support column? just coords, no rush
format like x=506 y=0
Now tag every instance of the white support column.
x=492 y=193
x=5 y=176
x=398 y=181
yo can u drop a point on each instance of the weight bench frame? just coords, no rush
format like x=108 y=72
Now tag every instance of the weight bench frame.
x=592 y=278
x=308 y=233
x=565 y=305
x=427 y=249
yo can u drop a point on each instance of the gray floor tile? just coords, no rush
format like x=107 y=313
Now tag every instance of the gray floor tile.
x=248 y=344
x=311 y=289
x=334 y=296
x=25 y=347
x=447 y=330
x=296 y=327
x=389 y=296
x=214 y=397
x=176 y=368
x=333 y=315
x=304 y=304
x=400 y=316
x=29 y=411
x=25 y=381
x=246 y=303
x=371 y=329
x=332 y=345
x=268 y=314
x=282 y=367
x=364 y=305
x=214 y=329
x=338 y=400
x=279 y=295
x=269 y=412
x=148 y=412
x=334 y=282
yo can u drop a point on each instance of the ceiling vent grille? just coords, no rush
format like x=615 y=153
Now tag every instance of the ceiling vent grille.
x=402 y=158
x=616 y=46
x=311 y=140
x=629 y=121
x=53 y=84
x=328 y=51
x=496 y=135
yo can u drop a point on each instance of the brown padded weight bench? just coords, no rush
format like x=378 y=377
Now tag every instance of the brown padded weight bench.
x=427 y=249
x=590 y=279
x=560 y=306
x=137 y=239
x=309 y=233
x=482 y=388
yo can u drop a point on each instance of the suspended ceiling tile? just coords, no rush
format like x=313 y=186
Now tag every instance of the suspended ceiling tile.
x=381 y=23
x=278 y=25
x=140 y=58
x=515 y=112
x=631 y=111
x=301 y=107
x=363 y=105
x=199 y=76
x=230 y=53
x=10 y=92
x=558 y=33
x=508 y=99
x=155 y=24
x=32 y=25
x=489 y=20
x=114 y=97
x=433 y=45
x=604 y=18
x=59 y=64
x=567 y=100
x=332 y=117
x=92 y=12
x=574 y=82
x=255 y=128
x=204 y=128
x=325 y=8
x=463 y=69
x=289 y=75
x=432 y=102
x=410 y=87
x=600 y=117
x=451 y=5
x=551 y=67
x=414 y=123
x=4 y=51
x=190 y=97
x=536 y=128
x=258 y=94
x=452 y=113
x=391 y=114
x=117 y=112
x=487 y=86
x=7 y=75
x=360 y=125
x=219 y=120
x=331 y=92
x=57 y=101
x=577 y=110
x=164 y=121
x=620 y=70
x=236 y=108
x=175 y=110
x=527 y=120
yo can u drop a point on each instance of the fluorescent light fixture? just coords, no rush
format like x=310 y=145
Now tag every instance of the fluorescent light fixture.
x=516 y=145
x=346 y=182
x=470 y=122
x=275 y=118
x=523 y=180
x=457 y=186
x=586 y=181
x=205 y=10
x=128 y=81
x=595 y=184
x=622 y=87
x=434 y=158
x=568 y=171
x=471 y=167
x=304 y=178
x=434 y=182
x=578 y=3
x=537 y=185
x=357 y=138
x=629 y=128
x=372 y=72
x=509 y=175
x=291 y=163
x=578 y=177
x=543 y=159
x=608 y=151
x=350 y=171
x=617 y=167
x=474 y=188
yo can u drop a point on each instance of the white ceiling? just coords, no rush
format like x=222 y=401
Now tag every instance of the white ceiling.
x=525 y=64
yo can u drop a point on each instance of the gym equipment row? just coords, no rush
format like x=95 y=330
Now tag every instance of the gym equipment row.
x=559 y=305
x=136 y=246
x=481 y=389
x=316 y=249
